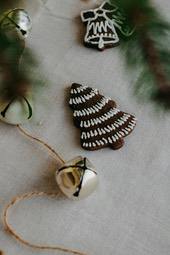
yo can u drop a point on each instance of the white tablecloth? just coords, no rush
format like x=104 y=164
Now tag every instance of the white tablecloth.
x=129 y=213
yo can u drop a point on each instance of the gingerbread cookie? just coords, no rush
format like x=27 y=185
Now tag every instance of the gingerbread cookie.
x=103 y=25
x=101 y=123
x=101 y=32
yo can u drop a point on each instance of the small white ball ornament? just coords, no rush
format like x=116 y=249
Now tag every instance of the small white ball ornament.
x=77 y=178
x=16 y=20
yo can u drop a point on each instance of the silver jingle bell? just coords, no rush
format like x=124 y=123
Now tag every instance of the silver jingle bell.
x=77 y=178
x=16 y=20
x=16 y=111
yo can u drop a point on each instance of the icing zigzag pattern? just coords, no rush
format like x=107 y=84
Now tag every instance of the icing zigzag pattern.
x=101 y=123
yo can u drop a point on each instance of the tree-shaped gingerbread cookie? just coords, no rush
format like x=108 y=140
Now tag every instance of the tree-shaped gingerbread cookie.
x=101 y=123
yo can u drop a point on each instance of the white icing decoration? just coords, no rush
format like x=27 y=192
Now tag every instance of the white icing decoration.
x=99 y=29
x=126 y=132
x=116 y=125
x=104 y=140
x=99 y=120
x=95 y=132
x=92 y=110
x=131 y=126
x=83 y=135
x=114 y=138
x=107 y=130
x=98 y=143
x=83 y=98
x=119 y=135
x=91 y=133
x=110 y=140
x=78 y=89
x=128 y=129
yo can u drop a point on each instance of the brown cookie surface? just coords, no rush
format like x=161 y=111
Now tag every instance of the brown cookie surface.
x=101 y=123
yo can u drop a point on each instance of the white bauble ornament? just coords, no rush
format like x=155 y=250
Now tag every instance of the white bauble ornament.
x=16 y=111
x=16 y=20
x=77 y=178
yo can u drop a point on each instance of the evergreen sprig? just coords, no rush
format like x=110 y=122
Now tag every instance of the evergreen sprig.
x=17 y=68
x=147 y=50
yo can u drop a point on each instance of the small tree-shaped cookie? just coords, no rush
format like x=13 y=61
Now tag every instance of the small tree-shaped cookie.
x=101 y=123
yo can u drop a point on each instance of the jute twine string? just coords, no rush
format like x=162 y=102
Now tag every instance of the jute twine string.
x=57 y=156
x=12 y=231
x=18 y=199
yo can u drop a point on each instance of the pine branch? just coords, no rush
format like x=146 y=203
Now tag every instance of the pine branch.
x=17 y=68
x=147 y=49
x=11 y=50
x=155 y=64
